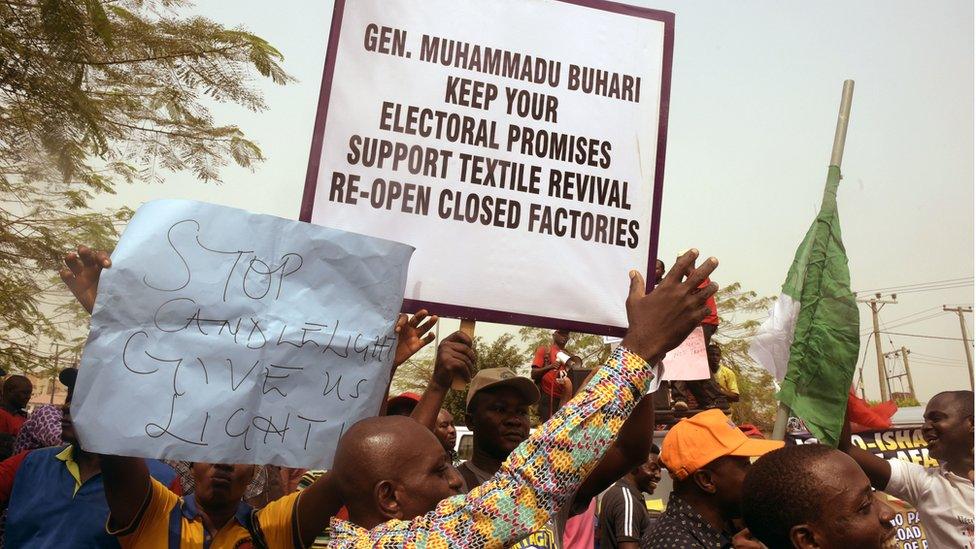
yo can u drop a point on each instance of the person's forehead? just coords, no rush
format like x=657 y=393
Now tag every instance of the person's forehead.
x=943 y=403
x=843 y=483
x=425 y=451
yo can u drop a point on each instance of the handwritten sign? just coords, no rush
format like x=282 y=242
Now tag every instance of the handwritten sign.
x=224 y=336
x=688 y=361
x=518 y=145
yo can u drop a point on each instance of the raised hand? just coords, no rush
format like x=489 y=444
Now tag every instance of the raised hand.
x=412 y=336
x=455 y=359
x=661 y=320
x=81 y=272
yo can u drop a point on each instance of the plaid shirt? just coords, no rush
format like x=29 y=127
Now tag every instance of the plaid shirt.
x=681 y=527
x=534 y=483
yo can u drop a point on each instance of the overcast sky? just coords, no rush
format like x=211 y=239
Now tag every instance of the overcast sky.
x=754 y=100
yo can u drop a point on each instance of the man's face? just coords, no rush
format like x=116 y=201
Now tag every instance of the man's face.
x=948 y=428
x=427 y=477
x=18 y=393
x=220 y=484
x=658 y=270
x=445 y=431
x=648 y=474
x=728 y=474
x=714 y=357
x=499 y=420
x=851 y=515
x=67 y=427
x=560 y=338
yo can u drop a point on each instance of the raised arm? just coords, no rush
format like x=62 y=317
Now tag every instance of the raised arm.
x=541 y=474
x=127 y=486
x=629 y=450
x=878 y=470
x=126 y=479
x=413 y=334
x=455 y=358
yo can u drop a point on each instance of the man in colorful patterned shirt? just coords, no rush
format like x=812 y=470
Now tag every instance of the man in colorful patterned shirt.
x=542 y=475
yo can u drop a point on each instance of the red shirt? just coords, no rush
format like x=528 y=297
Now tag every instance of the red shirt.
x=548 y=382
x=712 y=318
x=10 y=423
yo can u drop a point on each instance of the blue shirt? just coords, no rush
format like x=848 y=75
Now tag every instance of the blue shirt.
x=50 y=506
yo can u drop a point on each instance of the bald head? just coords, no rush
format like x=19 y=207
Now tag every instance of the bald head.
x=17 y=392
x=392 y=467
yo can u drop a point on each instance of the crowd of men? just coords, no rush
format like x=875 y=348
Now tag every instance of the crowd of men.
x=397 y=481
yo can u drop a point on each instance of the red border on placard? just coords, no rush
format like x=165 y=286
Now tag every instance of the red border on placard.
x=490 y=315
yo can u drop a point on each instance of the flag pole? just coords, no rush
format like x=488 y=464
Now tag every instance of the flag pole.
x=836 y=156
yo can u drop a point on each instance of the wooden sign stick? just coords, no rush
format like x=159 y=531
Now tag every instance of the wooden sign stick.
x=467 y=327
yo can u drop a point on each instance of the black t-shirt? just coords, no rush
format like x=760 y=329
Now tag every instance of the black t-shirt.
x=623 y=516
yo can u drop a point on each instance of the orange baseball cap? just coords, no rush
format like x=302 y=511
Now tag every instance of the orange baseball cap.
x=695 y=442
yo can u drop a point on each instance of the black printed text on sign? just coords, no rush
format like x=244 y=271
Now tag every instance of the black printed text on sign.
x=518 y=145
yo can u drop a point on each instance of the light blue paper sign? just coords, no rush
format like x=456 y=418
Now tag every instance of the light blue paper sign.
x=224 y=336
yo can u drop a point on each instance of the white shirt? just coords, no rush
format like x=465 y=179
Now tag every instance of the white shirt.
x=944 y=502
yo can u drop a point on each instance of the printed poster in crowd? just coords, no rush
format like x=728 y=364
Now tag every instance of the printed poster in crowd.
x=224 y=336
x=517 y=145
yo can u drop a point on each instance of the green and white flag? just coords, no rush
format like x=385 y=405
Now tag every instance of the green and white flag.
x=810 y=341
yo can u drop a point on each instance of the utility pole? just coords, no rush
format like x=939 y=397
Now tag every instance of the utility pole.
x=876 y=303
x=903 y=353
x=965 y=337
x=57 y=360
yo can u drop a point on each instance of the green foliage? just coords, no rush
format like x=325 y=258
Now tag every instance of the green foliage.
x=902 y=401
x=588 y=347
x=741 y=313
x=93 y=93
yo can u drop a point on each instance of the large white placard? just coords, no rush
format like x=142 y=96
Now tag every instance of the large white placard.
x=517 y=144
x=224 y=336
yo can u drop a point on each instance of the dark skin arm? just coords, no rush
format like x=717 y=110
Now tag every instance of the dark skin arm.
x=413 y=334
x=455 y=358
x=729 y=395
x=126 y=479
x=537 y=373
x=633 y=442
x=629 y=450
x=877 y=469
x=316 y=506
x=567 y=386
x=127 y=485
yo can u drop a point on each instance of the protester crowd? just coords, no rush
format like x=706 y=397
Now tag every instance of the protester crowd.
x=397 y=480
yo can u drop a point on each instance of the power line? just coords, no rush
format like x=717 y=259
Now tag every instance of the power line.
x=936 y=288
x=907 y=322
x=923 y=336
x=933 y=364
x=902 y=287
x=916 y=313
x=933 y=357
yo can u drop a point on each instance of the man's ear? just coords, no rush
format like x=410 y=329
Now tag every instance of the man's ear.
x=468 y=418
x=386 y=499
x=703 y=478
x=803 y=537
